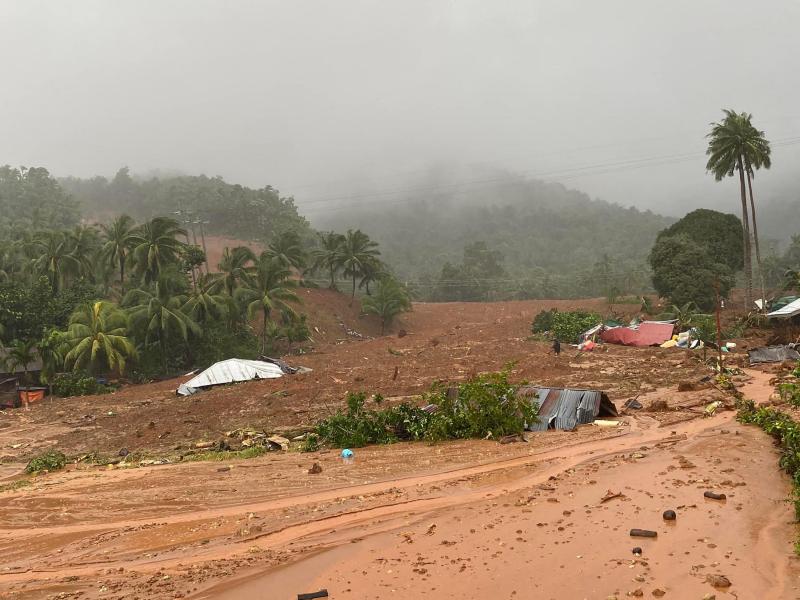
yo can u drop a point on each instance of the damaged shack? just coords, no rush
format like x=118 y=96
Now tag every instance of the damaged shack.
x=563 y=408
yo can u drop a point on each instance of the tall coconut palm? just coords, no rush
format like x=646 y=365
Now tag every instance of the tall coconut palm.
x=233 y=268
x=729 y=141
x=97 y=339
x=157 y=315
x=328 y=257
x=53 y=257
x=287 y=250
x=266 y=289
x=119 y=237
x=356 y=251
x=756 y=155
x=156 y=246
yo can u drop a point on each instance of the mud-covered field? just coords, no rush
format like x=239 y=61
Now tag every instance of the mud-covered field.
x=545 y=518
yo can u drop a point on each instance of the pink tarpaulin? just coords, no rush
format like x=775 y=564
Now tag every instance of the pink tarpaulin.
x=649 y=333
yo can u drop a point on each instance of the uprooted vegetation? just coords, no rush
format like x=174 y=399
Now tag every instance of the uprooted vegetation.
x=483 y=406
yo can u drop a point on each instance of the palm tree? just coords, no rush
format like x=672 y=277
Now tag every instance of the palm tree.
x=54 y=258
x=756 y=155
x=329 y=256
x=287 y=249
x=388 y=301
x=85 y=244
x=158 y=314
x=233 y=268
x=266 y=289
x=119 y=237
x=20 y=355
x=204 y=305
x=356 y=250
x=372 y=270
x=155 y=247
x=51 y=352
x=732 y=142
x=97 y=338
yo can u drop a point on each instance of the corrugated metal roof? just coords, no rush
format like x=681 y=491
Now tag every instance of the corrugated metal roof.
x=564 y=408
x=790 y=310
x=230 y=371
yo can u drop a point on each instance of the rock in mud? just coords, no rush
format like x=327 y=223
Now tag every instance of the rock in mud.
x=658 y=593
x=719 y=581
x=643 y=533
x=315 y=469
x=715 y=495
x=637 y=551
x=223 y=469
x=686 y=386
x=123 y=452
x=658 y=406
x=637 y=593
x=669 y=515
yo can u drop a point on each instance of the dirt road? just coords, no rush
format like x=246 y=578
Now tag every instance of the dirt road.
x=462 y=520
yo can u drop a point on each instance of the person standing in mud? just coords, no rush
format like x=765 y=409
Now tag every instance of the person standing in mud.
x=556 y=347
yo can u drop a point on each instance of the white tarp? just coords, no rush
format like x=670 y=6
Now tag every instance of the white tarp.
x=230 y=371
x=790 y=310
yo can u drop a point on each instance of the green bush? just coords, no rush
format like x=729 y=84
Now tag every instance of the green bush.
x=77 y=383
x=543 y=322
x=52 y=460
x=311 y=443
x=484 y=405
x=568 y=326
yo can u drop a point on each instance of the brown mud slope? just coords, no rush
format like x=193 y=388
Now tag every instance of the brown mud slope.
x=546 y=519
x=447 y=342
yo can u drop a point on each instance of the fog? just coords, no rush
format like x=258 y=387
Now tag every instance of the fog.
x=327 y=99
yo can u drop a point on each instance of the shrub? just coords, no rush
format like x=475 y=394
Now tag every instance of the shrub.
x=543 y=322
x=486 y=405
x=311 y=443
x=568 y=326
x=77 y=383
x=52 y=460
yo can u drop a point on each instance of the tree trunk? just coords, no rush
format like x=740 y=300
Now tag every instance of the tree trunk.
x=748 y=261
x=755 y=241
x=122 y=274
x=383 y=325
x=333 y=279
x=353 y=297
x=264 y=334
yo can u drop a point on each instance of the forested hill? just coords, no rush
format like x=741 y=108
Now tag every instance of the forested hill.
x=227 y=209
x=548 y=240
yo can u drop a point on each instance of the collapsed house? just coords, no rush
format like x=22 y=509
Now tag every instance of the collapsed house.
x=235 y=370
x=646 y=333
x=563 y=408
x=786 y=311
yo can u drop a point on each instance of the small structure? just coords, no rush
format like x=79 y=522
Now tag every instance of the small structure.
x=787 y=311
x=230 y=371
x=648 y=333
x=562 y=408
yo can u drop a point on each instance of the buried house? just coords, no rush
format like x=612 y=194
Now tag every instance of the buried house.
x=563 y=408
x=233 y=370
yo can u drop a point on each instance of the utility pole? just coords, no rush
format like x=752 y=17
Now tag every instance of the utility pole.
x=719 y=325
x=183 y=219
x=203 y=239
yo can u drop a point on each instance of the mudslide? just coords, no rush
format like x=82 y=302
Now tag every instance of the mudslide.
x=554 y=524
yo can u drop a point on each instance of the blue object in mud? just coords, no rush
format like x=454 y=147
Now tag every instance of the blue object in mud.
x=347 y=453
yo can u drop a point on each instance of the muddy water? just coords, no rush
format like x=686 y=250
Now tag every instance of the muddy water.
x=550 y=535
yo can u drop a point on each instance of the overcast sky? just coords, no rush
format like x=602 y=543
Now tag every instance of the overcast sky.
x=610 y=97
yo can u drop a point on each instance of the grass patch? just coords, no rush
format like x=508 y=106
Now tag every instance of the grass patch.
x=220 y=455
x=15 y=485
